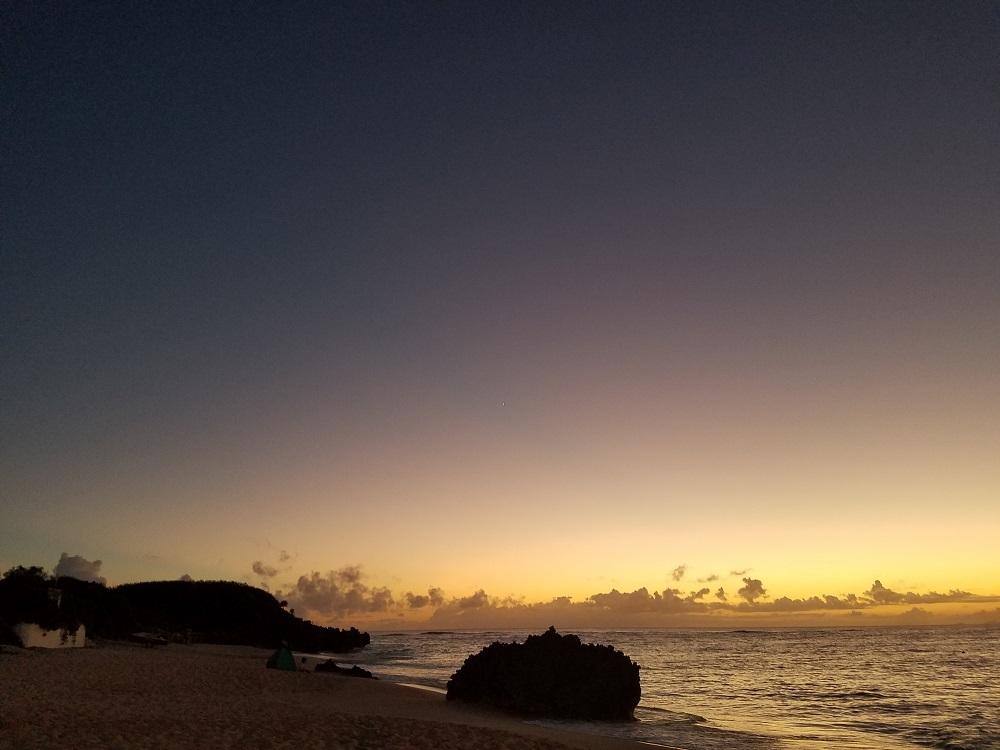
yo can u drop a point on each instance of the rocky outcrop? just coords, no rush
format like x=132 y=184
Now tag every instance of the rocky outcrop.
x=550 y=675
x=354 y=671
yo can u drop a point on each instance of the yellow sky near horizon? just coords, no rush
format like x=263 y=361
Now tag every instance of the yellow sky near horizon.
x=606 y=477
x=539 y=528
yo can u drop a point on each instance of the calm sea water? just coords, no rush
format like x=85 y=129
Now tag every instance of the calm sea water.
x=865 y=689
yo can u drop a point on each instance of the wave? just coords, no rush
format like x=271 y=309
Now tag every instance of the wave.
x=876 y=694
x=679 y=717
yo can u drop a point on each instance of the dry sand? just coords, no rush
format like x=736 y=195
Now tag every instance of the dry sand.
x=118 y=696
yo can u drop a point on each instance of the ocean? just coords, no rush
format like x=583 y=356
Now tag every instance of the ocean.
x=858 y=689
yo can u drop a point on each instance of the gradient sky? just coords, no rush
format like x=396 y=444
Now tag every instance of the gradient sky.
x=541 y=299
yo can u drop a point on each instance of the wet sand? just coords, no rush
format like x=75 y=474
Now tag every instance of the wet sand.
x=118 y=696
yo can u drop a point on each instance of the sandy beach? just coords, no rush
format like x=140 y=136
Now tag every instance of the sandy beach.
x=118 y=696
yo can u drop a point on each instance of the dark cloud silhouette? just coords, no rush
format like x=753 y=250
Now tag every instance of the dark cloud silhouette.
x=642 y=606
x=752 y=590
x=433 y=598
x=709 y=579
x=416 y=601
x=879 y=594
x=882 y=595
x=261 y=569
x=267 y=570
x=636 y=601
x=642 y=601
x=670 y=600
x=464 y=609
x=350 y=574
x=338 y=593
x=813 y=603
x=476 y=601
x=918 y=614
x=985 y=617
x=380 y=599
x=343 y=592
x=74 y=566
x=678 y=572
x=739 y=573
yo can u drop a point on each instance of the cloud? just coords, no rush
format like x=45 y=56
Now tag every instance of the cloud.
x=416 y=601
x=879 y=594
x=739 y=573
x=639 y=600
x=349 y=574
x=918 y=614
x=616 y=606
x=476 y=601
x=642 y=601
x=670 y=600
x=678 y=572
x=479 y=607
x=74 y=566
x=380 y=599
x=642 y=607
x=434 y=598
x=810 y=604
x=337 y=593
x=699 y=594
x=267 y=570
x=753 y=590
x=263 y=570
x=709 y=579
x=343 y=593
x=983 y=616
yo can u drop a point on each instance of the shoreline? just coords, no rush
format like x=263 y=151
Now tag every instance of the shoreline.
x=116 y=695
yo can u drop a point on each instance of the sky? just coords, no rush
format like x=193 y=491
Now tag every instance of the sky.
x=361 y=300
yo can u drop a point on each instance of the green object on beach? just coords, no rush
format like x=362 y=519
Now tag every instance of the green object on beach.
x=282 y=659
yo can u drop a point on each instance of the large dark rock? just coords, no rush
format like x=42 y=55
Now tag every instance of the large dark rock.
x=550 y=675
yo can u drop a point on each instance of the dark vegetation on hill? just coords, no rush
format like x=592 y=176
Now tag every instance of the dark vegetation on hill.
x=550 y=675
x=202 y=611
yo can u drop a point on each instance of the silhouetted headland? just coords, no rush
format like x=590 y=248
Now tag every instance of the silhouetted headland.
x=223 y=612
